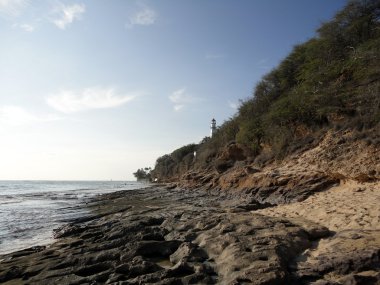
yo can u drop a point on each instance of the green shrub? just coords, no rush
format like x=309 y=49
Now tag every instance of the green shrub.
x=334 y=75
x=181 y=152
x=250 y=134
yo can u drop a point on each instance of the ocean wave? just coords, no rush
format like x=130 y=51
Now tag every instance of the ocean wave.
x=30 y=210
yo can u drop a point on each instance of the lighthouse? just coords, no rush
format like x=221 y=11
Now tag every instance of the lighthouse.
x=212 y=127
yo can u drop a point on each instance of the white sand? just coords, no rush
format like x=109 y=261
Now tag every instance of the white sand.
x=351 y=205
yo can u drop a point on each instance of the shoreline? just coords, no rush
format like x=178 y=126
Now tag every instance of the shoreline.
x=161 y=235
x=30 y=212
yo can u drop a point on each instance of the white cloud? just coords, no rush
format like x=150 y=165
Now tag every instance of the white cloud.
x=144 y=17
x=26 y=27
x=180 y=99
x=233 y=105
x=177 y=108
x=17 y=116
x=12 y=7
x=68 y=101
x=179 y=96
x=67 y=14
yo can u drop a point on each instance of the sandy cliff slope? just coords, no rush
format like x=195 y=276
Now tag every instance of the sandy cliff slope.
x=335 y=184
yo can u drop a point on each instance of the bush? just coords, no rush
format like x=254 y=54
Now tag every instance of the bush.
x=250 y=134
x=329 y=80
x=181 y=152
x=143 y=174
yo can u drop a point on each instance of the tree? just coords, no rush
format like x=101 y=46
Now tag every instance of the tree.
x=143 y=174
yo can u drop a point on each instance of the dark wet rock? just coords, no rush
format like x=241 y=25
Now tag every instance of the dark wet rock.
x=256 y=249
x=160 y=236
x=157 y=248
x=68 y=230
x=251 y=206
x=343 y=264
x=350 y=257
x=171 y=186
x=14 y=272
x=28 y=251
x=290 y=188
x=138 y=267
x=93 y=269
x=189 y=252
x=361 y=279
x=313 y=230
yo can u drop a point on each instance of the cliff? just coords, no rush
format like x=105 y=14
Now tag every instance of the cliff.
x=327 y=86
x=306 y=148
x=339 y=156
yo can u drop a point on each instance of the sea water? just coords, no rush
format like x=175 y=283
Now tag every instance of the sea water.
x=30 y=210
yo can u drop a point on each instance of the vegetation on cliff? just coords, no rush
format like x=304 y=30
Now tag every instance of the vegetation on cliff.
x=330 y=81
x=143 y=174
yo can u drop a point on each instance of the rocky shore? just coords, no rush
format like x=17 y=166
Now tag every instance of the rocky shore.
x=177 y=236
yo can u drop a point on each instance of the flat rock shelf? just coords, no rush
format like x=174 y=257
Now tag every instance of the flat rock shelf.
x=175 y=236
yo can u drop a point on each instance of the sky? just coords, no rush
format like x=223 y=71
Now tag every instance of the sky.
x=94 y=90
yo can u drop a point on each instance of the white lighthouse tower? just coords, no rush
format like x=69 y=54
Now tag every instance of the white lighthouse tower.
x=212 y=127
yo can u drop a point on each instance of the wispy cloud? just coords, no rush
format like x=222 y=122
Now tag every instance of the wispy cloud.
x=66 y=14
x=69 y=101
x=145 y=16
x=17 y=116
x=180 y=98
x=26 y=27
x=12 y=7
x=178 y=108
x=233 y=105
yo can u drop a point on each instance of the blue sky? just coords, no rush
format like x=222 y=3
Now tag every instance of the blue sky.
x=93 y=90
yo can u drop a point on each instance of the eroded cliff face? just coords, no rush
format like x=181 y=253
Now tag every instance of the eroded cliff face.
x=334 y=184
x=339 y=156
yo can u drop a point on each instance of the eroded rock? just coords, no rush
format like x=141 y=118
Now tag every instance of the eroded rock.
x=161 y=236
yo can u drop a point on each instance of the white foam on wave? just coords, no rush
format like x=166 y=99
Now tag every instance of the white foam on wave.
x=29 y=211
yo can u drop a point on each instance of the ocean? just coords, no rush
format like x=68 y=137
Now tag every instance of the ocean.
x=30 y=210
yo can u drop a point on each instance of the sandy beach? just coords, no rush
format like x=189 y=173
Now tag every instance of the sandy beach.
x=349 y=206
